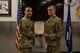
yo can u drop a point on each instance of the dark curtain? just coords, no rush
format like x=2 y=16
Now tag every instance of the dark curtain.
x=40 y=8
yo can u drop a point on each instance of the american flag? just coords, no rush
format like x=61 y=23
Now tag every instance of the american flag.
x=19 y=12
x=17 y=36
x=68 y=34
x=19 y=16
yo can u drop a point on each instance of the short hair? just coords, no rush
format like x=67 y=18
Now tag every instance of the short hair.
x=54 y=7
x=27 y=7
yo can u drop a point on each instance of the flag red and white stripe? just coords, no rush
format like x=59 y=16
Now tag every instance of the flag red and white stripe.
x=19 y=17
x=17 y=36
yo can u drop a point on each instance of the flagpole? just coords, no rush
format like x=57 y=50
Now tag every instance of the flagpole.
x=68 y=35
x=71 y=30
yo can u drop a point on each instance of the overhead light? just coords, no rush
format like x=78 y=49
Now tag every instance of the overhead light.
x=48 y=0
x=43 y=2
x=59 y=4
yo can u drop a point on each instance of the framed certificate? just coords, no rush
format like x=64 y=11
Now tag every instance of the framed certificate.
x=39 y=27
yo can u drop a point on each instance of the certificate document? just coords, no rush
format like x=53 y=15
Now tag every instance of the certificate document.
x=39 y=27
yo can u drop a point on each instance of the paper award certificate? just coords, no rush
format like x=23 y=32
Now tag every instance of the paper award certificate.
x=39 y=27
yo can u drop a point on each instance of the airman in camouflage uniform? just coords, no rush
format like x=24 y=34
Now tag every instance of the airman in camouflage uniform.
x=26 y=41
x=53 y=31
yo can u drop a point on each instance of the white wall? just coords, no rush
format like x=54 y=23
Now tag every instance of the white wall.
x=14 y=12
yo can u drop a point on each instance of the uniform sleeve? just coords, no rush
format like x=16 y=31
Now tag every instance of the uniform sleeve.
x=52 y=36
x=58 y=30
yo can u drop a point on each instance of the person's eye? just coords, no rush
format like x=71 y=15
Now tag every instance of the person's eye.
x=29 y=10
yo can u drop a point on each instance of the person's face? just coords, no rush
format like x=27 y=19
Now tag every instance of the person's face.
x=51 y=11
x=28 y=12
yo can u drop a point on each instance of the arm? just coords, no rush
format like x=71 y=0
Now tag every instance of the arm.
x=58 y=30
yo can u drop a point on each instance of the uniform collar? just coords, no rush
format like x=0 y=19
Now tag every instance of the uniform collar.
x=27 y=17
x=53 y=16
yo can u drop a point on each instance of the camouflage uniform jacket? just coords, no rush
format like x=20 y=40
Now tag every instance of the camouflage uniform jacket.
x=54 y=31
x=26 y=31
